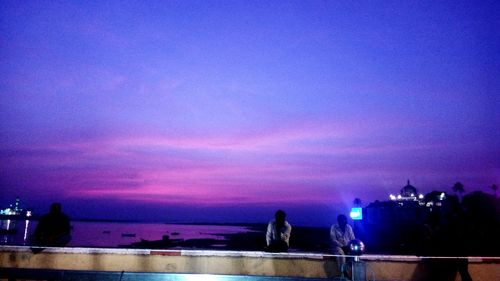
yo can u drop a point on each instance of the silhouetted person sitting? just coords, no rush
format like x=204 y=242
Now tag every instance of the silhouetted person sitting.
x=341 y=234
x=53 y=229
x=278 y=233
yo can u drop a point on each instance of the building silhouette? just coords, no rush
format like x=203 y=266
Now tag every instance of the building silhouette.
x=393 y=225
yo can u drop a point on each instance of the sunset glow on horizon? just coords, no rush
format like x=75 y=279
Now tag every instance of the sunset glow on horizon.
x=223 y=111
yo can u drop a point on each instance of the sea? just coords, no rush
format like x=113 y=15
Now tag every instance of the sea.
x=121 y=234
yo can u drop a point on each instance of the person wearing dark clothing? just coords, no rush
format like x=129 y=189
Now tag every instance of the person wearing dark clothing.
x=455 y=240
x=444 y=236
x=278 y=233
x=53 y=229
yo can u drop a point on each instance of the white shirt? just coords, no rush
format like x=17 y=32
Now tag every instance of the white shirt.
x=284 y=234
x=341 y=238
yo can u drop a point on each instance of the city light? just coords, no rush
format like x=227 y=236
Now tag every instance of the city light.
x=442 y=196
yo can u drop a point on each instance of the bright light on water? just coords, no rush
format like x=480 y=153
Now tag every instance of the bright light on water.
x=26 y=226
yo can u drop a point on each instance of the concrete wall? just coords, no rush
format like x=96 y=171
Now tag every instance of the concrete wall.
x=226 y=262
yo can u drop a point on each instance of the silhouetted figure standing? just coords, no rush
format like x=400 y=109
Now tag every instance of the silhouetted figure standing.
x=278 y=233
x=443 y=236
x=455 y=240
x=432 y=235
x=341 y=234
x=53 y=229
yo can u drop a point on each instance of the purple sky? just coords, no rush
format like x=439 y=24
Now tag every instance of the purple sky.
x=224 y=111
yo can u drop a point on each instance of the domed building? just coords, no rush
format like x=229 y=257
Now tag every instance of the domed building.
x=401 y=217
x=408 y=193
x=408 y=190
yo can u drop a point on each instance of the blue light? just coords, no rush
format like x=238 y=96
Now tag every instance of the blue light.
x=356 y=213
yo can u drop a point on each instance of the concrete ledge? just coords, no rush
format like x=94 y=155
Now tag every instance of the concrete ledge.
x=310 y=265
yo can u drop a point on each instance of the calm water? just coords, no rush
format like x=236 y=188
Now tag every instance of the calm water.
x=110 y=234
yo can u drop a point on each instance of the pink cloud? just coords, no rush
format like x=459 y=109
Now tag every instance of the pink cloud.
x=295 y=165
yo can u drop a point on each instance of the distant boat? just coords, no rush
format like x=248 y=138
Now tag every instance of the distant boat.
x=128 y=234
x=106 y=232
x=164 y=243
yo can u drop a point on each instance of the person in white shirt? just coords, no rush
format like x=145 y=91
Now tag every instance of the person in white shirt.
x=278 y=233
x=341 y=234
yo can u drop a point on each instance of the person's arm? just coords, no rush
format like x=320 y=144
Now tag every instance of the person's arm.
x=333 y=236
x=285 y=236
x=350 y=233
x=269 y=233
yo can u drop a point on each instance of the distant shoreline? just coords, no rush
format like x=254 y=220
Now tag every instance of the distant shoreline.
x=178 y=223
x=244 y=224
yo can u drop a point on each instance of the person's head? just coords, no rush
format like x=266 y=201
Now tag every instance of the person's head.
x=342 y=220
x=55 y=208
x=280 y=216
